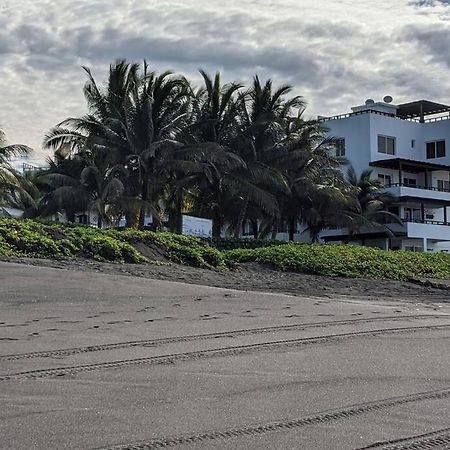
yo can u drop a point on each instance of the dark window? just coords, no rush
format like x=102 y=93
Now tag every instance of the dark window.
x=386 y=144
x=340 y=146
x=82 y=218
x=413 y=143
x=410 y=182
x=443 y=185
x=435 y=149
x=386 y=180
x=440 y=149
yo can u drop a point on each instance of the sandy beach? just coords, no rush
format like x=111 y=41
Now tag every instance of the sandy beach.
x=105 y=356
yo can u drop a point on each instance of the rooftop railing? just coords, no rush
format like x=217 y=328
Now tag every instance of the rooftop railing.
x=380 y=113
x=358 y=113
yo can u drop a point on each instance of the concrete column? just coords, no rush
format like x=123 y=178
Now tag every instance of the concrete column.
x=387 y=244
x=425 y=245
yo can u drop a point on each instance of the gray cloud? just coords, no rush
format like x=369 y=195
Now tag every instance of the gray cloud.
x=433 y=40
x=335 y=52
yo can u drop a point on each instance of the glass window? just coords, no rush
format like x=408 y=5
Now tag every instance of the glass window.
x=390 y=146
x=381 y=144
x=443 y=185
x=435 y=149
x=339 y=143
x=440 y=149
x=386 y=180
x=386 y=144
x=410 y=182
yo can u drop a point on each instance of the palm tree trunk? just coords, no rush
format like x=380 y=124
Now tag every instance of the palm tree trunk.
x=216 y=226
x=144 y=198
x=238 y=229
x=255 y=228
x=176 y=215
x=291 y=226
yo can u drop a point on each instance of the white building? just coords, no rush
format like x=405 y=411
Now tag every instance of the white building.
x=408 y=148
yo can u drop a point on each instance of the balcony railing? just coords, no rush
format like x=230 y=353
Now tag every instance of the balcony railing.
x=415 y=186
x=426 y=222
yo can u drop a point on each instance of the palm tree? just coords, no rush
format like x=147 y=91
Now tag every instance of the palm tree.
x=215 y=109
x=133 y=122
x=15 y=191
x=318 y=195
x=262 y=112
x=373 y=201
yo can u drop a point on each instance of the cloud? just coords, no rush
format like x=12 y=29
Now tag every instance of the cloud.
x=335 y=53
x=429 y=3
x=432 y=40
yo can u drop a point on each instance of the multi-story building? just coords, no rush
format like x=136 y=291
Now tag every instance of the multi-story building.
x=408 y=148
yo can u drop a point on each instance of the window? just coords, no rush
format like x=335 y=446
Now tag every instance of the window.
x=413 y=143
x=412 y=182
x=413 y=248
x=385 y=180
x=339 y=144
x=435 y=149
x=412 y=214
x=83 y=219
x=443 y=185
x=386 y=144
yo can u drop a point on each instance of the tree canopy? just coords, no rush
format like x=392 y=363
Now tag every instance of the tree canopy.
x=155 y=143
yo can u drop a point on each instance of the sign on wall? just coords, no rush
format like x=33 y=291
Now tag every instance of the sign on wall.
x=196 y=226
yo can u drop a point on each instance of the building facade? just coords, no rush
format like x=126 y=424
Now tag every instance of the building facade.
x=407 y=146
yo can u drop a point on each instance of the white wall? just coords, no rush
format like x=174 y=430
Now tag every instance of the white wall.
x=356 y=131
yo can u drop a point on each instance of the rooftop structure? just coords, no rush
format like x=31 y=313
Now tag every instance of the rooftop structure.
x=421 y=111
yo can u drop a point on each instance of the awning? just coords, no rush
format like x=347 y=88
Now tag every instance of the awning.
x=408 y=165
x=420 y=108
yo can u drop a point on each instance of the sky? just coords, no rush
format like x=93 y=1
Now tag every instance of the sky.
x=335 y=53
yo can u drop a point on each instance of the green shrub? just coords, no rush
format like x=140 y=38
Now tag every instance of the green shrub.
x=231 y=243
x=179 y=248
x=33 y=238
x=347 y=261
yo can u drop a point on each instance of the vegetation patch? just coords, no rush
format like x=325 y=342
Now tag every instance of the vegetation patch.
x=232 y=243
x=347 y=261
x=178 y=248
x=32 y=238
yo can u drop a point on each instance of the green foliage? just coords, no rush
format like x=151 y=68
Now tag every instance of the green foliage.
x=37 y=239
x=347 y=261
x=230 y=243
x=31 y=238
x=179 y=248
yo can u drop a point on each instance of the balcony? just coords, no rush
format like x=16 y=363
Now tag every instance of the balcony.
x=423 y=192
x=410 y=228
x=430 y=229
